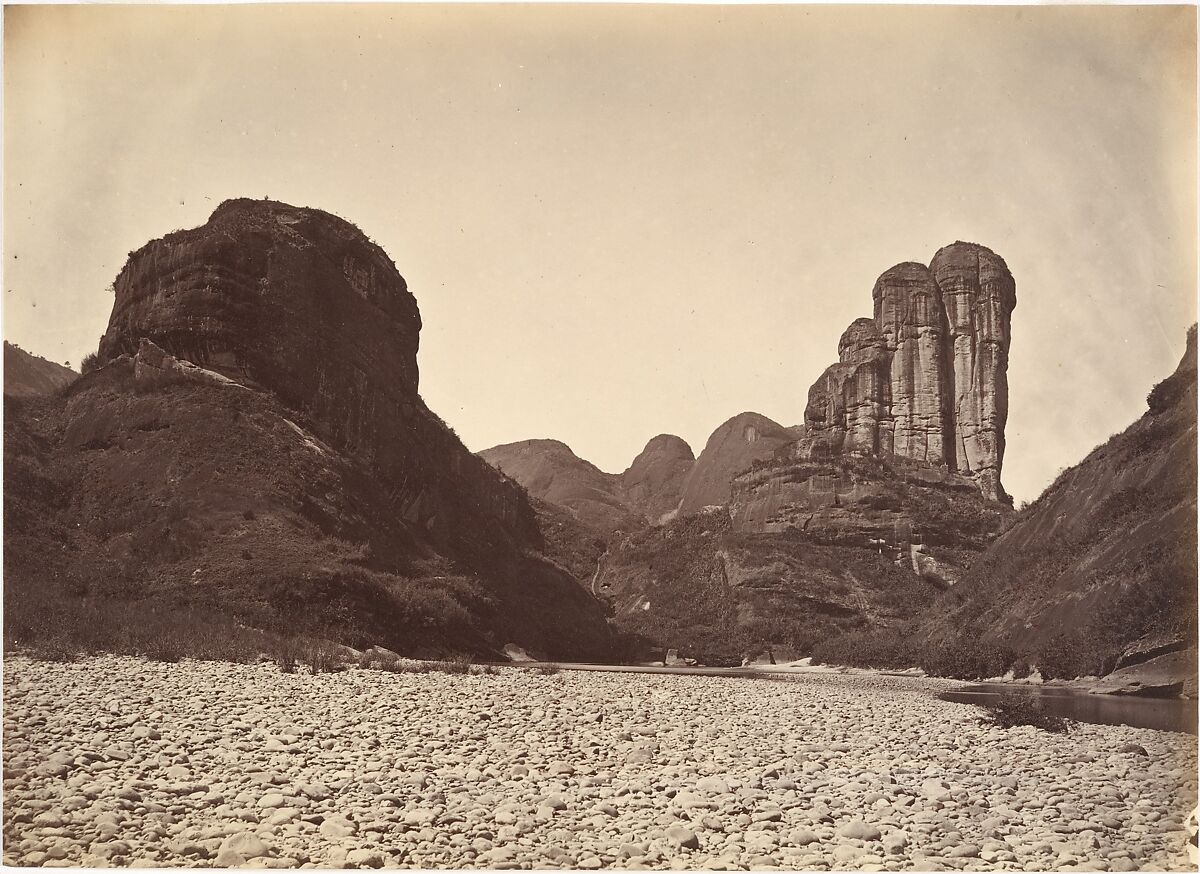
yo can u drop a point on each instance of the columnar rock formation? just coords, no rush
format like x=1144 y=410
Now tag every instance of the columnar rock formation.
x=926 y=378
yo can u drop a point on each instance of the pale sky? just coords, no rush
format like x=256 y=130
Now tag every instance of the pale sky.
x=620 y=221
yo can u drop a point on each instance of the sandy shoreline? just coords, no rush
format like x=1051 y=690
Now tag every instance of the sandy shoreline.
x=119 y=761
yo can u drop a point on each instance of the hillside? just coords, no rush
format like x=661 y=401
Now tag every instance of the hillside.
x=549 y=470
x=1105 y=559
x=664 y=479
x=803 y=551
x=27 y=375
x=731 y=448
x=251 y=445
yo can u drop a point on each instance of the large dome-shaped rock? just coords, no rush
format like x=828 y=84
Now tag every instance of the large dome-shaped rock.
x=731 y=449
x=295 y=300
x=653 y=484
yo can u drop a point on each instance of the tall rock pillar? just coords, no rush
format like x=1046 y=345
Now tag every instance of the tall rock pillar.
x=978 y=294
x=909 y=315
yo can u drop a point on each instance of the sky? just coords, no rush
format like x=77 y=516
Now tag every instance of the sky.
x=621 y=221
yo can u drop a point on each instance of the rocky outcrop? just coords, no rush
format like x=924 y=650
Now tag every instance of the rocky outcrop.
x=803 y=549
x=909 y=314
x=978 y=295
x=1164 y=676
x=1106 y=556
x=654 y=483
x=27 y=375
x=926 y=377
x=252 y=436
x=732 y=448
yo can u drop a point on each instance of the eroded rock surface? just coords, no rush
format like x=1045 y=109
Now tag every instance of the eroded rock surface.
x=926 y=377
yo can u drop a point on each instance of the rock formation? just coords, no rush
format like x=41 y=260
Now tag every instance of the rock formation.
x=252 y=435
x=732 y=448
x=926 y=377
x=654 y=483
x=27 y=375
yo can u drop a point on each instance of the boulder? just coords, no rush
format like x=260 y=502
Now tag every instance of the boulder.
x=1164 y=676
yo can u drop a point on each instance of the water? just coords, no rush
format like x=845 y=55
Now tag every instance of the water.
x=1164 y=714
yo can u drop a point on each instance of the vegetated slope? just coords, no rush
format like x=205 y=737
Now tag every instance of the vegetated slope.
x=1105 y=557
x=549 y=470
x=26 y=375
x=251 y=442
x=803 y=551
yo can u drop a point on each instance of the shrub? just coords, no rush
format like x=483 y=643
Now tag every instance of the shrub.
x=287 y=654
x=460 y=665
x=1011 y=709
x=547 y=670
x=89 y=363
x=322 y=657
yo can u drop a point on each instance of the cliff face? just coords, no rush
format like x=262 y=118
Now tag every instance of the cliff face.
x=926 y=377
x=301 y=304
x=28 y=375
x=1105 y=557
x=257 y=394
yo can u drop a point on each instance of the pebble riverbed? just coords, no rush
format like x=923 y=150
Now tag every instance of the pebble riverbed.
x=115 y=761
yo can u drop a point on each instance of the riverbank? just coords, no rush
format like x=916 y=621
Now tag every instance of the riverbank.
x=120 y=761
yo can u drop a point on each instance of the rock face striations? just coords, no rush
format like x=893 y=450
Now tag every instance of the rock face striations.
x=252 y=437
x=926 y=377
